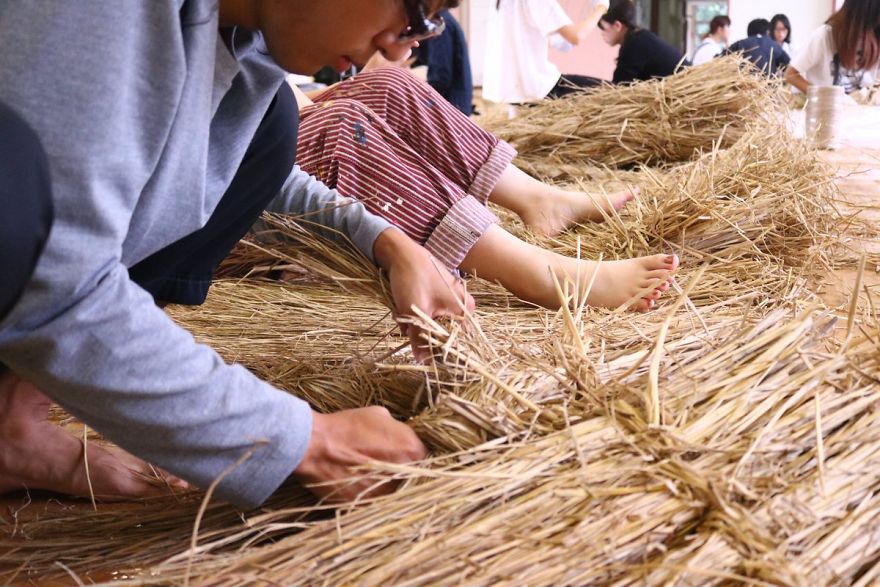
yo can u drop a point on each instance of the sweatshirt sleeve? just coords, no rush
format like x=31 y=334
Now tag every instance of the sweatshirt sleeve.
x=83 y=332
x=327 y=212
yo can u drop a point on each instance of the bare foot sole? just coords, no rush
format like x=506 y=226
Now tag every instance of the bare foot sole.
x=38 y=455
x=558 y=209
x=618 y=282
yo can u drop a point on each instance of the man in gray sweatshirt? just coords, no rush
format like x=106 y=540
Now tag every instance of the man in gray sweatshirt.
x=158 y=131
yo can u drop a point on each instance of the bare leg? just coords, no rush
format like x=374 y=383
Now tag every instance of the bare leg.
x=36 y=454
x=527 y=271
x=550 y=210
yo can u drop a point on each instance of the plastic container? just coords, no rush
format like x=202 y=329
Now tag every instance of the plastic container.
x=824 y=113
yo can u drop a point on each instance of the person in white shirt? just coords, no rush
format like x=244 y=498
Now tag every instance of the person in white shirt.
x=843 y=52
x=517 y=66
x=780 y=31
x=713 y=43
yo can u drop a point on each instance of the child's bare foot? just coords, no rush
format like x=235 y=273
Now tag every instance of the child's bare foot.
x=618 y=282
x=556 y=210
x=36 y=454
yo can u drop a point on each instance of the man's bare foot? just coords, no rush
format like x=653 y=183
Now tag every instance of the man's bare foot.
x=36 y=454
x=556 y=209
x=618 y=282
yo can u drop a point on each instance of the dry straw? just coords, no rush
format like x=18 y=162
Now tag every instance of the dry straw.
x=725 y=438
x=654 y=122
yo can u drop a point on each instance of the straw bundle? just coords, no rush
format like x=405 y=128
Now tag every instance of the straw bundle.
x=604 y=380
x=735 y=484
x=652 y=122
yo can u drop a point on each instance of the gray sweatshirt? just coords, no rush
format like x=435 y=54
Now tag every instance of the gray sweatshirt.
x=146 y=114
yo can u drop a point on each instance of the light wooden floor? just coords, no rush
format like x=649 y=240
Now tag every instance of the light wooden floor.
x=858 y=168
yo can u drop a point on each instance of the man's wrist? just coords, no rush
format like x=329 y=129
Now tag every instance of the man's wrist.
x=389 y=246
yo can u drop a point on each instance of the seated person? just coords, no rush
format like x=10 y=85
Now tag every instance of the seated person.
x=392 y=142
x=843 y=52
x=780 y=31
x=449 y=65
x=766 y=55
x=715 y=42
x=643 y=55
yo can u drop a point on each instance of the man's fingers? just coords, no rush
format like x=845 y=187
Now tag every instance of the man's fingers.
x=469 y=302
x=421 y=350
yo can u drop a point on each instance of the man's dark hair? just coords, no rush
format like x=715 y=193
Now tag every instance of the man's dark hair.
x=719 y=22
x=759 y=26
x=622 y=11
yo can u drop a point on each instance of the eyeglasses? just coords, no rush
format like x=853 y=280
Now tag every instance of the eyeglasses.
x=420 y=27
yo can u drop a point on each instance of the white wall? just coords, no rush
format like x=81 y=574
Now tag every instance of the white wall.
x=805 y=16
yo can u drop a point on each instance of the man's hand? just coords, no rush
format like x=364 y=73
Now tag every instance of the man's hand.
x=342 y=441
x=417 y=279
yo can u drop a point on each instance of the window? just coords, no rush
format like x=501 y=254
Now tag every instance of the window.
x=699 y=14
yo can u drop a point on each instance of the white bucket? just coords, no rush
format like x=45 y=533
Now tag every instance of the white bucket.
x=824 y=113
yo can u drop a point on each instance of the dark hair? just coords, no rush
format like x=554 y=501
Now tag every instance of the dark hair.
x=719 y=22
x=777 y=18
x=759 y=26
x=854 y=30
x=622 y=11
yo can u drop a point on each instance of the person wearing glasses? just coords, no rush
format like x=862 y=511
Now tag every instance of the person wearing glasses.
x=517 y=67
x=167 y=129
x=759 y=48
x=643 y=55
x=843 y=52
x=391 y=141
x=780 y=32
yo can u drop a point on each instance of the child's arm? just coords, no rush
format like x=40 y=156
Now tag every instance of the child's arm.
x=303 y=100
x=576 y=32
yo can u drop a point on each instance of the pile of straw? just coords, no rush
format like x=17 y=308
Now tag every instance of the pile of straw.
x=724 y=438
x=652 y=122
x=765 y=473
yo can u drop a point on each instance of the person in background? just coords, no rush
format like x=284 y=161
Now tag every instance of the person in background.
x=517 y=65
x=643 y=55
x=780 y=31
x=449 y=66
x=715 y=42
x=845 y=51
x=760 y=49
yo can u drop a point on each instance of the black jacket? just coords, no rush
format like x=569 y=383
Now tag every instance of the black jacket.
x=643 y=55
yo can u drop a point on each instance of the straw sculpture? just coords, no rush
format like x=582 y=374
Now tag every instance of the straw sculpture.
x=651 y=122
x=725 y=438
